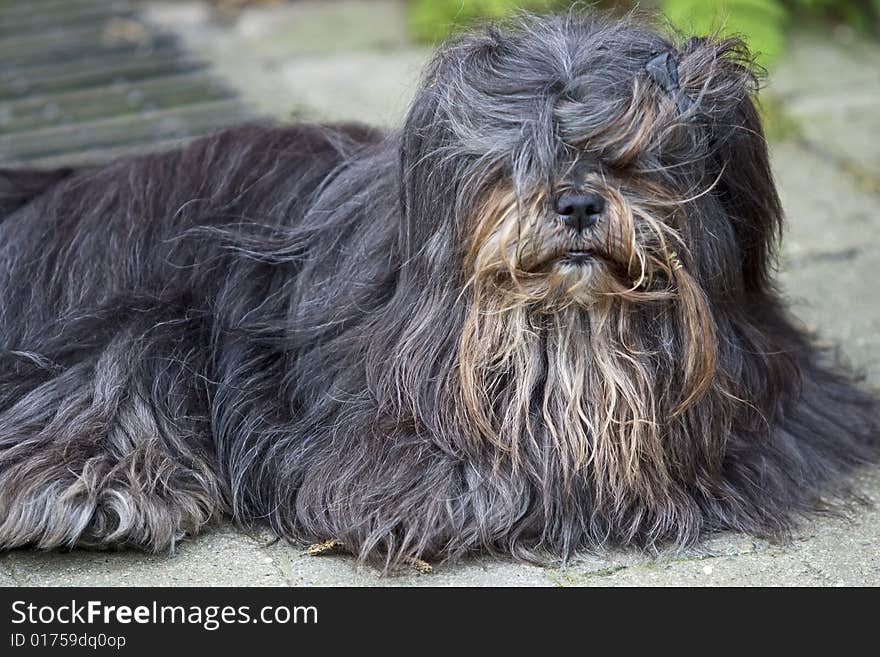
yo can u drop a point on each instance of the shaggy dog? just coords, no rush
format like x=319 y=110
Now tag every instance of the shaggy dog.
x=538 y=318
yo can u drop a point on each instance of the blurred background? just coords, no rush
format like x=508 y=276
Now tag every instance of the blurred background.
x=85 y=80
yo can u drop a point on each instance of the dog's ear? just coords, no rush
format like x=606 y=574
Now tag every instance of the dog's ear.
x=721 y=77
x=439 y=134
x=427 y=178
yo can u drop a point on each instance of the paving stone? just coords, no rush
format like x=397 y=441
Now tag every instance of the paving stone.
x=831 y=254
x=289 y=30
x=831 y=87
x=341 y=570
x=827 y=552
x=827 y=212
x=315 y=60
x=839 y=298
x=6 y=578
x=820 y=65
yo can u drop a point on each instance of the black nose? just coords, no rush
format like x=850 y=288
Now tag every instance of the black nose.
x=580 y=211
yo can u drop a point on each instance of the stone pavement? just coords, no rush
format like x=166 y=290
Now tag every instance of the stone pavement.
x=351 y=60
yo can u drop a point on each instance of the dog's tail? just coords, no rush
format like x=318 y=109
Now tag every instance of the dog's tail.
x=18 y=187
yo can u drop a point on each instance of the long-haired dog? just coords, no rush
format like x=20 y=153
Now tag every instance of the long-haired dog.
x=538 y=318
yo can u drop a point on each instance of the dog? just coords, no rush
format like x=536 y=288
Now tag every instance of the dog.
x=539 y=318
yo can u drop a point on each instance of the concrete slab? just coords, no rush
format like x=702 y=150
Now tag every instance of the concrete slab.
x=329 y=61
x=830 y=253
x=830 y=84
x=822 y=63
x=6 y=578
x=222 y=556
x=341 y=570
x=827 y=552
x=830 y=262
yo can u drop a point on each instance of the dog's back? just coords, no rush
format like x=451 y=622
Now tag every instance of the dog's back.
x=138 y=226
x=228 y=168
x=109 y=280
x=20 y=186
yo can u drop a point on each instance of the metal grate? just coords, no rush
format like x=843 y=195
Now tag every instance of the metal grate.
x=82 y=81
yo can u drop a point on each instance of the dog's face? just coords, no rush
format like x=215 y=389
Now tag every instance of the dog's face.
x=576 y=161
x=597 y=231
x=597 y=206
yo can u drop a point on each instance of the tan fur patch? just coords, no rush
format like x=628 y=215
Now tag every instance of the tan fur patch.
x=545 y=356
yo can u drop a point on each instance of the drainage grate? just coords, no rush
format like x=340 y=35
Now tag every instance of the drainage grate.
x=82 y=81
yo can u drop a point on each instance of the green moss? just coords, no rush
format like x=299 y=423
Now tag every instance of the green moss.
x=759 y=22
x=778 y=124
x=863 y=178
x=432 y=20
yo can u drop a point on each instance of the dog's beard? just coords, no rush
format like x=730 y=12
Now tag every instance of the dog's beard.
x=595 y=344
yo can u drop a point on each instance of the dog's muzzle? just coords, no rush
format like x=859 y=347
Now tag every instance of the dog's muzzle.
x=580 y=211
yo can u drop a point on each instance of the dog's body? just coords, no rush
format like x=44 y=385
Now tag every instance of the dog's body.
x=391 y=341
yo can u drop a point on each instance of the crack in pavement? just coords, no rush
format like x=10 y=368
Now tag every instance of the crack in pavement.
x=577 y=579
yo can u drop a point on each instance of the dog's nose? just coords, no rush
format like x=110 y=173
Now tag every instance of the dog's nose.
x=580 y=211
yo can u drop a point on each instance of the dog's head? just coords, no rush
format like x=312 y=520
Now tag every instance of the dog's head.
x=574 y=160
x=599 y=202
